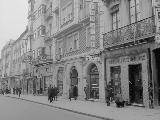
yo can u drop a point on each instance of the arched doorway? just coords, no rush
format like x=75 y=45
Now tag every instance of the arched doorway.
x=94 y=82
x=60 y=80
x=74 y=78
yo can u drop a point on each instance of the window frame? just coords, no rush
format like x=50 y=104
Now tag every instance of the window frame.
x=137 y=11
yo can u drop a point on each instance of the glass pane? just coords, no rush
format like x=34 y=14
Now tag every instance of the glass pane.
x=114 y=26
x=132 y=10
x=138 y=16
x=137 y=8
x=132 y=3
x=132 y=19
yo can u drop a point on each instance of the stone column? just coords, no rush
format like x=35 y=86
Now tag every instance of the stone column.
x=145 y=84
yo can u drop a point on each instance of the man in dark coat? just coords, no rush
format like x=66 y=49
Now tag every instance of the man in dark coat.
x=51 y=94
x=49 y=89
x=75 y=92
x=56 y=92
x=19 y=92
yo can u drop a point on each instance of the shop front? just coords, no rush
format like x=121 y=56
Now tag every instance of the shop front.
x=156 y=76
x=60 y=80
x=74 y=80
x=128 y=76
x=93 y=82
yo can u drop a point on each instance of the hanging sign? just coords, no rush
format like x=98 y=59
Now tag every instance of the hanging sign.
x=157 y=22
x=156 y=3
x=92 y=58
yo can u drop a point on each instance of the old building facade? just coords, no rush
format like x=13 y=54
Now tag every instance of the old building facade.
x=129 y=54
x=91 y=45
x=6 y=57
x=78 y=45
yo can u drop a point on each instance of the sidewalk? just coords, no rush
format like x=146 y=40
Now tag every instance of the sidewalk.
x=96 y=109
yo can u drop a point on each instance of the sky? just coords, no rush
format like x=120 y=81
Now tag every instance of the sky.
x=13 y=19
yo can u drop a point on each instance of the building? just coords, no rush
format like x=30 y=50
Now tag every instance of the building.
x=130 y=50
x=19 y=69
x=12 y=65
x=0 y=73
x=41 y=21
x=6 y=59
x=78 y=49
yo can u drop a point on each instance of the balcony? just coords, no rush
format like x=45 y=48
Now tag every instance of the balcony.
x=49 y=13
x=135 y=33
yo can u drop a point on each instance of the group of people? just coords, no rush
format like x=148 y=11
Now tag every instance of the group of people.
x=52 y=93
x=111 y=96
x=17 y=91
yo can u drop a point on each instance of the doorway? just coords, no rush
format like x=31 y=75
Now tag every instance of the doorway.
x=94 y=82
x=135 y=84
x=74 y=79
x=60 y=80
x=157 y=81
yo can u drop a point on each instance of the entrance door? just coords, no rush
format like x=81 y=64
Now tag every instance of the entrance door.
x=74 y=78
x=157 y=82
x=135 y=84
x=94 y=82
x=60 y=80
x=115 y=81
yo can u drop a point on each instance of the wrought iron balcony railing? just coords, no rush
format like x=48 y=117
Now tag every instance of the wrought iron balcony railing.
x=130 y=33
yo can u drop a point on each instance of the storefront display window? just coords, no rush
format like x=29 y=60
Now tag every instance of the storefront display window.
x=116 y=79
x=94 y=82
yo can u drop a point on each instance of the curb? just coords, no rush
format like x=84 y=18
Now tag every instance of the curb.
x=91 y=115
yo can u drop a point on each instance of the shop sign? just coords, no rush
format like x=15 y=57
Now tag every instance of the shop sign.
x=157 y=19
x=92 y=58
x=128 y=59
x=157 y=22
x=156 y=3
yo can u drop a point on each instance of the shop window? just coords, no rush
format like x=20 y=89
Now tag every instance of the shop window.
x=116 y=79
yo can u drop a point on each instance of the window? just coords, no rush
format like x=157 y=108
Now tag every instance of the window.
x=81 y=4
x=134 y=11
x=50 y=29
x=35 y=34
x=60 y=47
x=67 y=13
x=76 y=41
x=41 y=30
x=115 y=20
x=88 y=38
x=69 y=43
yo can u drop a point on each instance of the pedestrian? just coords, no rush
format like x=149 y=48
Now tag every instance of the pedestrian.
x=70 y=93
x=19 y=91
x=2 y=92
x=107 y=95
x=86 y=90
x=49 y=89
x=75 y=92
x=119 y=100
x=56 y=92
x=51 y=94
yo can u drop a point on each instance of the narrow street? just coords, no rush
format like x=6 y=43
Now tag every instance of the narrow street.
x=16 y=109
